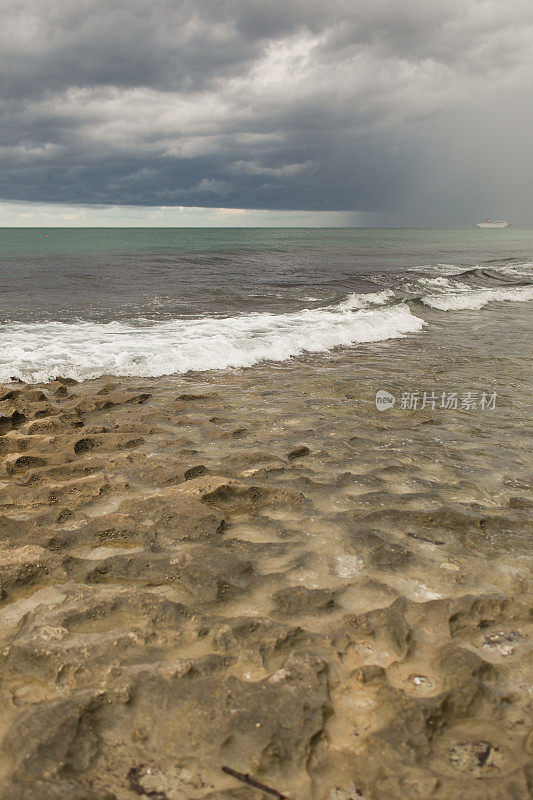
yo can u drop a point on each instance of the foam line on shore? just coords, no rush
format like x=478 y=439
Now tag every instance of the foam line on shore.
x=38 y=352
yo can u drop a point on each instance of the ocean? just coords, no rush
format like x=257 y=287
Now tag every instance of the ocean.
x=148 y=302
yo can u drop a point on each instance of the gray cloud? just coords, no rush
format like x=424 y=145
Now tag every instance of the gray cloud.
x=266 y=104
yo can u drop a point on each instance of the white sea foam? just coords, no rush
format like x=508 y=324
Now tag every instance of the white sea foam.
x=446 y=269
x=520 y=270
x=38 y=352
x=443 y=283
x=477 y=298
x=516 y=269
x=355 y=301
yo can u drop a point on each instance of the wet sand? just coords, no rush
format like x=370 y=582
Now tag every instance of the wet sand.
x=258 y=569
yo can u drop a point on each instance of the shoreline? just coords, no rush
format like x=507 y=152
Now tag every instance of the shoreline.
x=258 y=569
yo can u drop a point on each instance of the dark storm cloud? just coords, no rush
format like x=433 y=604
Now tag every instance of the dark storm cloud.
x=260 y=104
x=166 y=45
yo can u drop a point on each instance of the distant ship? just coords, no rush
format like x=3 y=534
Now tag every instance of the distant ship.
x=489 y=223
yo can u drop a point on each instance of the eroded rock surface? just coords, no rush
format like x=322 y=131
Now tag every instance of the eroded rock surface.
x=185 y=586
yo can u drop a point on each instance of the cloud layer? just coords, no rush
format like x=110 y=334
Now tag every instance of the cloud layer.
x=377 y=106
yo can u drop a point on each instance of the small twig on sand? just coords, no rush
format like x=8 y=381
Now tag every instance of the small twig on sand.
x=252 y=782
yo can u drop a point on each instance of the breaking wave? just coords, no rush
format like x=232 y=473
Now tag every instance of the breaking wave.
x=41 y=351
x=355 y=301
x=474 y=299
x=38 y=352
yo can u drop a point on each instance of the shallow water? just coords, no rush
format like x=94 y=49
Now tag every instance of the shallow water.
x=357 y=626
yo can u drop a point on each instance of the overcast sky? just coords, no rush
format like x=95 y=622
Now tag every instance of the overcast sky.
x=402 y=112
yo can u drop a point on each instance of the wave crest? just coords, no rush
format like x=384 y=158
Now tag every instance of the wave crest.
x=475 y=299
x=38 y=352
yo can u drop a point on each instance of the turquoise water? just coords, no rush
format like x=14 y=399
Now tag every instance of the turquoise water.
x=393 y=243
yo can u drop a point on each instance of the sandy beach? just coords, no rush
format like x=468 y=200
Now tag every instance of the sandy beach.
x=257 y=569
